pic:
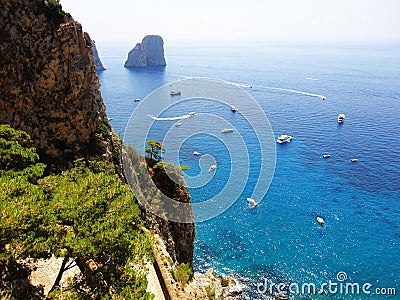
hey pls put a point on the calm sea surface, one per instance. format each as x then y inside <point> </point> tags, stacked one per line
<point>280,239</point>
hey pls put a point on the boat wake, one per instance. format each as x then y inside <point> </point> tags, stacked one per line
<point>247,86</point>
<point>292,91</point>
<point>173,118</point>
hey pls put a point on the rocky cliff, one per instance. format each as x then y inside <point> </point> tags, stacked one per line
<point>48,84</point>
<point>148,53</point>
<point>96,58</point>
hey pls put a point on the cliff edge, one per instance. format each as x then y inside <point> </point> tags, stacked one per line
<point>97,62</point>
<point>49,87</point>
<point>148,53</point>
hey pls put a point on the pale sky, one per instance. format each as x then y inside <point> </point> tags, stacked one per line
<point>239,20</point>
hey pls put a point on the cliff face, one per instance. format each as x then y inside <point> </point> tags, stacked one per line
<point>96,58</point>
<point>148,53</point>
<point>48,84</point>
<point>178,237</point>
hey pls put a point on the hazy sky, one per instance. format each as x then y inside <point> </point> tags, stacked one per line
<point>230,20</point>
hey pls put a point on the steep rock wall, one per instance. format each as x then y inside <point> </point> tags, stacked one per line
<point>97,62</point>
<point>48,84</point>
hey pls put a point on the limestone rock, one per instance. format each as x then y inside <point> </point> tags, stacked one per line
<point>148,53</point>
<point>97,62</point>
<point>49,86</point>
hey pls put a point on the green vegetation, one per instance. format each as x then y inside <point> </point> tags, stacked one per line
<point>210,293</point>
<point>154,150</point>
<point>85,216</point>
<point>53,10</point>
<point>183,273</point>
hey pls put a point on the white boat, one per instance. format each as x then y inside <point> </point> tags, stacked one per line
<point>110,119</point>
<point>321,221</point>
<point>196,153</point>
<point>252,202</point>
<point>212,168</point>
<point>284,138</point>
<point>177,124</point>
<point>226,130</point>
<point>136,100</point>
<point>326,156</point>
<point>354,160</point>
<point>340,118</point>
<point>233,108</point>
<point>175,93</point>
<point>191,113</point>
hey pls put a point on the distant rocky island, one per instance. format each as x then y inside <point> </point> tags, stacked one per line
<point>97,62</point>
<point>150,52</point>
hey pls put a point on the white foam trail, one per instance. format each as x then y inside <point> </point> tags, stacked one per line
<point>264,87</point>
<point>310,78</point>
<point>171,118</point>
<point>293,91</point>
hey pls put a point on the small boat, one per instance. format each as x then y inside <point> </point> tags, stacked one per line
<point>233,108</point>
<point>212,168</point>
<point>323,98</point>
<point>196,153</point>
<point>191,114</point>
<point>177,124</point>
<point>136,100</point>
<point>340,118</point>
<point>354,160</point>
<point>284,138</point>
<point>252,202</point>
<point>226,130</point>
<point>321,221</point>
<point>110,119</point>
<point>175,93</point>
<point>326,156</point>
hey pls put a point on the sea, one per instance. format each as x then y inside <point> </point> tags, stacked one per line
<point>278,246</point>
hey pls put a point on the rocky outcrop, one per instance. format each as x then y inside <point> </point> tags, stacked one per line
<point>97,62</point>
<point>148,53</point>
<point>49,87</point>
<point>178,237</point>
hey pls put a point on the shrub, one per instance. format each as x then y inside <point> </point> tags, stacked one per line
<point>183,273</point>
<point>210,293</point>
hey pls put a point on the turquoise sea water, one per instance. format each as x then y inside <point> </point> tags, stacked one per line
<point>280,239</point>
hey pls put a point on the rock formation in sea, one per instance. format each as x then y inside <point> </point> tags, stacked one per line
<point>49,87</point>
<point>148,53</point>
<point>96,58</point>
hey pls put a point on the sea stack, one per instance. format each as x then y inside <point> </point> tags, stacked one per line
<point>148,53</point>
<point>97,62</point>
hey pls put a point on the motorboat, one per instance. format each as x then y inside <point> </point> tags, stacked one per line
<point>212,168</point>
<point>323,98</point>
<point>340,118</point>
<point>110,119</point>
<point>326,156</point>
<point>192,113</point>
<point>177,124</point>
<point>226,130</point>
<point>136,100</point>
<point>321,221</point>
<point>233,108</point>
<point>284,138</point>
<point>175,93</point>
<point>252,202</point>
<point>196,153</point>
<point>354,160</point>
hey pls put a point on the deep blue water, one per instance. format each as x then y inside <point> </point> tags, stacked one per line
<point>280,239</point>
